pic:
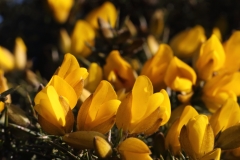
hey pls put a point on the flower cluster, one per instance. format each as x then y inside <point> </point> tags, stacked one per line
<point>179,101</point>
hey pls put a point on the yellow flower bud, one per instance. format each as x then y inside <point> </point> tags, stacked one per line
<point>211,58</point>
<point>180,76</point>
<point>123,76</point>
<point>82,139</point>
<point>155,68</point>
<point>157,23</point>
<point>106,11</point>
<point>60,9</point>
<point>102,147</point>
<point>98,111</point>
<point>6,59</point>
<point>82,38</point>
<point>133,148</point>
<point>94,78</point>
<point>187,42</point>
<point>172,139</point>
<point>20,52</point>
<point>144,112</point>
<point>197,137</point>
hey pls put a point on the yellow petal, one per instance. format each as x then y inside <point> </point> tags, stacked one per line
<point>20,53</point>
<point>64,89</point>
<point>94,78</point>
<point>102,147</point>
<point>142,90</point>
<point>6,59</point>
<point>215,155</point>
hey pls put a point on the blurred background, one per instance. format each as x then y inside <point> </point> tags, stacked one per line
<point>32,20</point>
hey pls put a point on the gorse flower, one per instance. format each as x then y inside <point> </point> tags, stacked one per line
<point>226,116</point>
<point>211,58</point>
<point>141,111</point>
<point>82,38</point>
<point>118,71</point>
<point>155,68</point>
<point>172,138</point>
<point>197,137</point>
<point>133,148</point>
<point>179,76</point>
<point>55,102</point>
<point>98,111</point>
<point>106,11</point>
<point>6,59</point>
<point>54,108</point>
<point>20,52</point>
<point>60,9</point>
<point>187,42</point>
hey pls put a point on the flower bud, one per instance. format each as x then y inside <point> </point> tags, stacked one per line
<point>102,147</point>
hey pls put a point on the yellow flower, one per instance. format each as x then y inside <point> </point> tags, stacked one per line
<point>20,53</point>
<point>102,147</point>
<point>141,111</point>
<point>197,137</point>
<point>133,148</point>
<point>155,67</point>
<point>187,42</point>
<point>215,155</point>
<point>3,87</point>
<point>211,58</point>
<point>98,111</point>
<point>179,76</point>
<point>220,88</point>
<point>106,11</point>
<point>172,139</point>
<point>6,59</point>
<point>54,104</point>
<point>72,73</point>
<point>226,116</point>
<point>232,48</point>
<point>82,38</point>
<point>94,78</point>
<point>118,71</point>
<point>61,9</point>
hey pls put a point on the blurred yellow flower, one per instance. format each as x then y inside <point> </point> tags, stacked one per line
<point>231,47</point>
<point>197,137</point>
<point>180,76</point>
<point>172,139</point>
<point>156,67</point>
<point>72,73</point>
<point>98,111</point>
<point>60,9</point>
<point>118,71</point>
<point>54,104</point>
<point>106,11</point>
<point>94,78</point>
<point>187,42</point>
<point>6,59</point>
<point>20,54</point>
<point>82,38</point>
<point>226,116</point>
<point>211,58</point>
<point>133,148</point>
<point>3,87</point>
<point>141,111</point>
<point>220,88</point>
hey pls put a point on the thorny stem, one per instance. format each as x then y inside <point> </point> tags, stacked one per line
<point>24,129</point>
<point>6,105</point>
<point>31,105</point>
